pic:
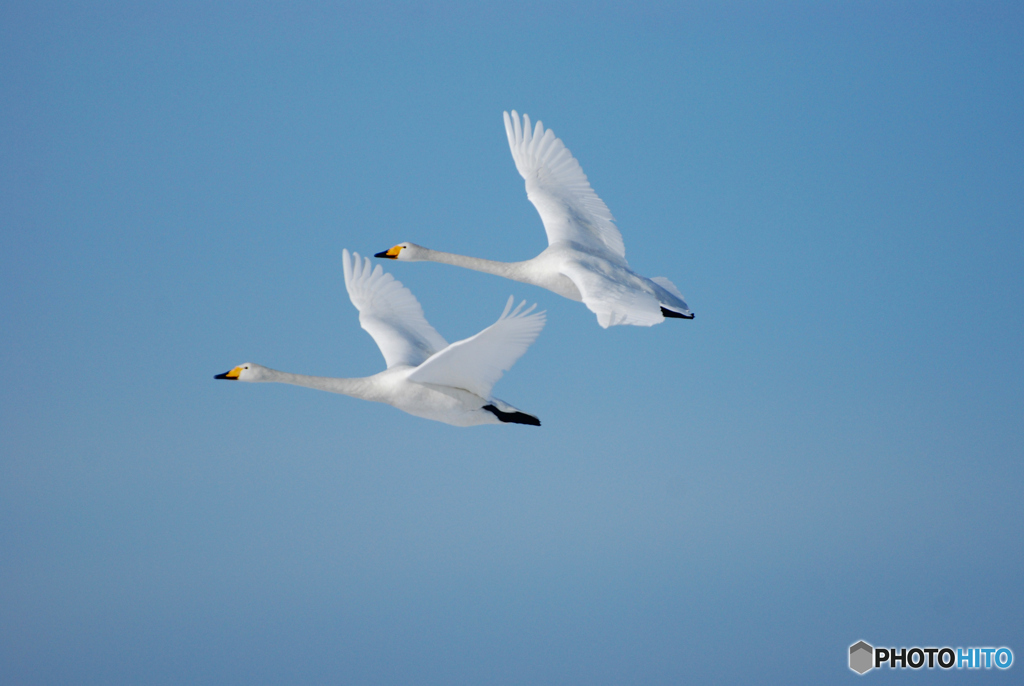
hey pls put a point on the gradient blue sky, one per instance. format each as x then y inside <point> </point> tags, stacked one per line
<point>831,451</point>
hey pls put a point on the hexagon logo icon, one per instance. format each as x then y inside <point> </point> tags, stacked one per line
<point>862,657</point>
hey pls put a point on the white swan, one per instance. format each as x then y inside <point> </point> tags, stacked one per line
<point>585,259</point>
<point>426,376</point>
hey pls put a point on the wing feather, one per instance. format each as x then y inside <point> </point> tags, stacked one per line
<point>558,188</point>
<point>476,363</point>
<point>390,313</point>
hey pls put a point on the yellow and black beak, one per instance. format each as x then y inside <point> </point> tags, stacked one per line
<point>233,374</point>
<point>390,254</point>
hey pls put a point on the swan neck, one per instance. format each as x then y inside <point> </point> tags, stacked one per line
<point>505,269</point>
<point>357,388</point>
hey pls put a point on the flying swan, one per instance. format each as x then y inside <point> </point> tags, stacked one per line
<point>585,259</point>
<point>426,376</point>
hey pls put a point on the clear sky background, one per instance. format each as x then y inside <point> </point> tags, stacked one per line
<point>831,451</point>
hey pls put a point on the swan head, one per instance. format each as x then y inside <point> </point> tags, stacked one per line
<point>409,252</point>
<point>244,372</point>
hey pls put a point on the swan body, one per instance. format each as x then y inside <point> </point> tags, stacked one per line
<point>585,259</point>
<point>425,376</point>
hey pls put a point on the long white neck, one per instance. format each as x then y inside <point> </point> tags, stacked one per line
<point>508,270</point>
<point>540,271</point>
<point>357,388</point>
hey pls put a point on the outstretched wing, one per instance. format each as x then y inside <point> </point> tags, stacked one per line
<point>477,362</point>
<point>558,188</point>
<point>390,313</point>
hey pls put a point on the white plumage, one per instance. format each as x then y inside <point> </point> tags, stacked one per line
<point>585,259</point>
<point>390,313</point>
<point>425,376</point>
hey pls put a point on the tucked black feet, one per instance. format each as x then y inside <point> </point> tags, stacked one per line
<point>675,315</point>
<point>513,417</point>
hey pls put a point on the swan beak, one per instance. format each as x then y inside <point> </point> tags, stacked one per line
<point>233,374</point>
<point>391,254</point>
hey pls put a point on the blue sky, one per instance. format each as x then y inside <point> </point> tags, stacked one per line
<point>831,451</point>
